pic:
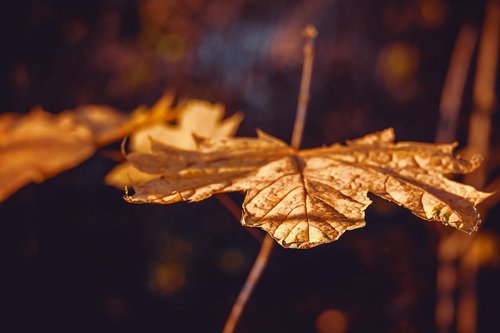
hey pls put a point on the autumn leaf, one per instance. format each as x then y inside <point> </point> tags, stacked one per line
<point>106,123</point>
<point>196,118</point>
<point>304,198</point>
<point>161,112</point>
<point>40,145</point>
<point>109,125</point>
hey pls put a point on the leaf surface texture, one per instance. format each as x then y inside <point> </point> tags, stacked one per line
<point>304,198</point>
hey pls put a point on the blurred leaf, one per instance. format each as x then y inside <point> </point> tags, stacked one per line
<point>105,123</point>
<point>199,118</point>
<point>309,197</point>
<point>38,146</point>
<point>160,112</point>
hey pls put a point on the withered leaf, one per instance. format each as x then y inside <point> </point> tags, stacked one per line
<point>40,145</point>
<point>304,198</point>
<point>196,118</point>
<point>106,123</point>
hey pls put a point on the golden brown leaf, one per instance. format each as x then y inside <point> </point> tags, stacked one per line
<point>106,124</point>
<point>38,146</point>
<point>160,112</point>
<point>196,118</point>
<point>309,197</point>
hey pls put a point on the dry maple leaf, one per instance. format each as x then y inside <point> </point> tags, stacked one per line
<point>40,145</point>
<point>304,198</point>
<point>195,118</point>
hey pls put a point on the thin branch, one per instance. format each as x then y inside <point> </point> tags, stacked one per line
<point>493,200</point>
<point>449,108</point>
<point>235,210</point>
<point>268,242</point>
<point>252,279</point>
<point>451,97</point>
<point>310,34</point>
<point>484,92</point>
<point>467,306</point>
<point>479,142</point>
<point>446,281</point>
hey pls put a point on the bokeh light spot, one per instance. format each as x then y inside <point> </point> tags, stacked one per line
<point>331,321</point>
<point>166,278</point>
<point>231,261</point>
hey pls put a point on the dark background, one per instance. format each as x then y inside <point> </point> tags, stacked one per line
<point>80,259</point>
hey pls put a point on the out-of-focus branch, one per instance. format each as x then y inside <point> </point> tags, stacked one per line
<point>449,245</point>
<point>305,83</point>
<point>479,142</point>
<point>492,200</point>
<point>235,210</point>
<point>451,248</point>
<point>484,92</point>
<point>254,276</point>
<point>451,97</point>
<point>467,305</point>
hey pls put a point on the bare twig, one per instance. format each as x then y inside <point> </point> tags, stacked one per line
<point>267,244</point>
<point>456,246</point>
<point>449,108</point>
<point>493,200</point>
<point>254,276</point>
<point>300,117</point>
<point>451,97</point>
<point>479,142</point>
<point>446,282</point>
<point>467,305</point>
<point>235,210</point>
<point>484,92</point>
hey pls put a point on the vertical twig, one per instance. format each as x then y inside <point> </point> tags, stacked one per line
<point>479,142</point>
<point>494,199</point>
<point>449,108</point>
<point>305,82</point>
<point>467,305</point>
<point>451,97</point>
<point>252,279</point>
<point>450,249</point>
<point>484,92</point>
<point>235,210</point>
<point>267,244</point>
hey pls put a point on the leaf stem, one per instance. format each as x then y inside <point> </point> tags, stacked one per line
<point>268,242</point>
<point>310,34</point>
